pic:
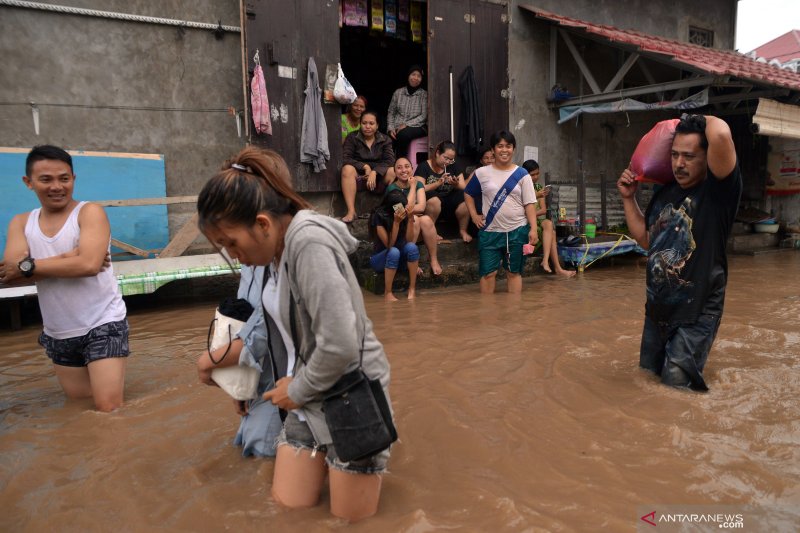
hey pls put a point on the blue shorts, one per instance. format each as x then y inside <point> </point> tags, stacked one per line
<point>102,342</point>
<point>500,248</point>
<point>298,435</point>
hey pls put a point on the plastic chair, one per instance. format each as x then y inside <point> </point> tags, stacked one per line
<point>416,147</point>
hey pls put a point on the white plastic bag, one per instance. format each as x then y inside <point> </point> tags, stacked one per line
<point>240,382</point>
<point>343,92</point>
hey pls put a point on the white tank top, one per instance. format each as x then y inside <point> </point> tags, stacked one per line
<point>72,306</point>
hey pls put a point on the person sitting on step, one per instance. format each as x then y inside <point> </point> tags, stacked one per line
<point>393,230</point>
<point>367,159</point>
<point>423,224</point>
<point>444,183</point>
<point>547,232</point>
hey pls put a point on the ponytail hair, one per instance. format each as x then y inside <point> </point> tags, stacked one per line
<point>254,181</point>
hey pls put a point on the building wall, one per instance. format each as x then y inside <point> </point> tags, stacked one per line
<point>594,143</point>
<point>55,59</point>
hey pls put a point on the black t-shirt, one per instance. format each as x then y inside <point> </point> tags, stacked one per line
<point>687,268</point>
<point>425,171</point>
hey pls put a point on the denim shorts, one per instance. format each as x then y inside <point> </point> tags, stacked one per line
<point>298,435</point>
<point>102,342</point>
<point>500,248</point>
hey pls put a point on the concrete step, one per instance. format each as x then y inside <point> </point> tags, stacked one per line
<point>764,250</point>
<point>742,243</point>
<point>455,273</point>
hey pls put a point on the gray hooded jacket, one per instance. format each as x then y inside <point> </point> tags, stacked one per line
<point>329,313</point>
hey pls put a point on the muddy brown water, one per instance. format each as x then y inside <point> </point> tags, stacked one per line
<point>515,414</point>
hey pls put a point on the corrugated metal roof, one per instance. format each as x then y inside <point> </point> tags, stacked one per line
<point>710,60</point>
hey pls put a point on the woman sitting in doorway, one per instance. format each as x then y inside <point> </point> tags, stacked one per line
<point>547,232</point>
<point>407,118</point>
<point>393,233</point>
<point>444,184</point>
<point>351,119</point>
<point>367,159</point>
<point>415,207</point>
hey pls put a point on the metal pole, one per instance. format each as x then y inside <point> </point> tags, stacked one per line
<point>452,129</point>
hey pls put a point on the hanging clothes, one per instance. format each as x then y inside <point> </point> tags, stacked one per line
<point>314,136</point>
<point>470,131</point>
<point>259,102</point>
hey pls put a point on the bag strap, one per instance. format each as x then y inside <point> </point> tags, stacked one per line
<point>503,193</point>
<point>293,326</point>
<point>208,342</point>
<point>282,413</point>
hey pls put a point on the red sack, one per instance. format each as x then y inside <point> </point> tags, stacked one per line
<point>652,159</point>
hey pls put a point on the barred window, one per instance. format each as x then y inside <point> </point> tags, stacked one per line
<point>701,37</point>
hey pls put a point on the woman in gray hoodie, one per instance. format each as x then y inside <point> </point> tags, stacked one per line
<point>250,209</point>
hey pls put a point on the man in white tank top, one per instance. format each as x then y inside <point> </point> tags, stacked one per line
<point>63,247</point>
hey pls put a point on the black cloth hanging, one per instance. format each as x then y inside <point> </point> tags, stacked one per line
<point>470,130</point>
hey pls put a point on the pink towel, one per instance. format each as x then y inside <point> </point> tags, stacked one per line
<point>259,102</point>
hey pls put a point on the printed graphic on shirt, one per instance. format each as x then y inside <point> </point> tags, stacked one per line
<point>671,236</point>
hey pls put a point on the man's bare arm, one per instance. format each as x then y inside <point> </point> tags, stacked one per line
<point>95,234</point>
<point>87,260</point>
<point>721,150</point>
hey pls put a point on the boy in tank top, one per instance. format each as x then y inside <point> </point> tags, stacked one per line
<point>63,247</point>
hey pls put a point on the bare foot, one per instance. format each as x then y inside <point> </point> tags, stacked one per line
<point>546,267</point>
<point>349,217</point>
<point>412,293</point>
<point>439,237</point>
<point>466,236</point>
<point>389,297</point>
<point>566,273</point>
<point>436,268</point>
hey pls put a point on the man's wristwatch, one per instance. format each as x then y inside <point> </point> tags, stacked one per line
<point>27,266</point>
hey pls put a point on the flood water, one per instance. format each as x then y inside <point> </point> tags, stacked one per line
<point>514,414</point>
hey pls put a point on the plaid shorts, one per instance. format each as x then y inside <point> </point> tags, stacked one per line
<point>102,342</point>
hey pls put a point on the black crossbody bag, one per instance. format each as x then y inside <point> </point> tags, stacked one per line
<point>356,410</point>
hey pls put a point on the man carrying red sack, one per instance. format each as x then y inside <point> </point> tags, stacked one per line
<point>685,229</point>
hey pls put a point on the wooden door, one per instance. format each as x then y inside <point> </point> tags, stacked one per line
<point>286,33</point>
<point>463,33</point>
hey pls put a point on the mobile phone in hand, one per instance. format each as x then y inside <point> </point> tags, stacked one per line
<point>398,207</point>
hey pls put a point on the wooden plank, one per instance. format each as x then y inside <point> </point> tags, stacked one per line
<point>147,201</point>
<point>448,46</point>
<point>182,239</point>
<point>304,29</point>
<point>130,248</point>
<point>166,264</point>
<point>489,57</point>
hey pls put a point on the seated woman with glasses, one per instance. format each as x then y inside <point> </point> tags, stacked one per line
<point>444,184</point>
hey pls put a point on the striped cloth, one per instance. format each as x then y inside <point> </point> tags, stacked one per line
<point>148,282</point>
